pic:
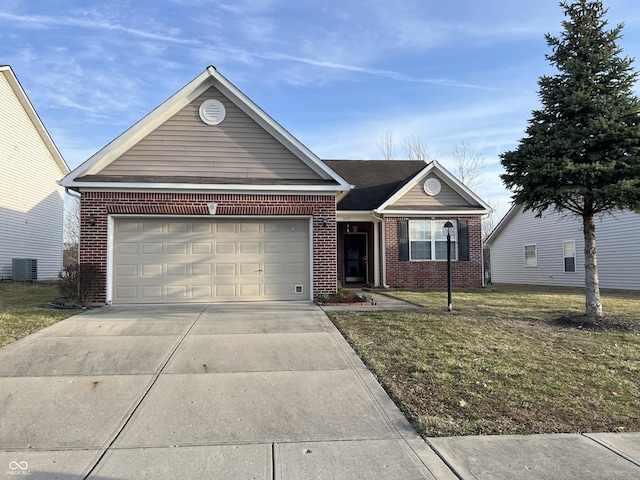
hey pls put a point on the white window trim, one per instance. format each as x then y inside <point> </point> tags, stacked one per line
<point>575,263</point>
<point>535,245</point>
<point>454,239</point>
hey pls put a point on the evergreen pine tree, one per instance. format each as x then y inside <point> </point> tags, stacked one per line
<point>581,155</point>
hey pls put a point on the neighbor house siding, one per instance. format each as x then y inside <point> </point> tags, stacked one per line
<point>433,273</point>
<point>186,146</point>
<point>94,241</point>
<point>31,203</point>
<point>618,244</point>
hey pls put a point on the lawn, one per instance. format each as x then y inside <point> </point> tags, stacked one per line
<point>23,311</point>
<point>501,363</point>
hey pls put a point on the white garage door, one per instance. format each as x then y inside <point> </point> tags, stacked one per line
<point>205,260</point>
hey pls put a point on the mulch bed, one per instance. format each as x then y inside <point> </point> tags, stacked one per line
<point>606,322</point>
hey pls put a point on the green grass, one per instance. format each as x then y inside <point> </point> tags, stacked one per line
<point>22,309</point>
<point>500,364</point>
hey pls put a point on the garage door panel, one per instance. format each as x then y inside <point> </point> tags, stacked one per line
<point>225,291</point>
<point>205,260</point>
<point>179,270</point>
<point>152,248</point>
<point>248,248</point>
<point>225,248</point>
<point>151,270</point>
<point>124,270</point>
<point>201,248</point>
<point>177,248</point>
<point>151,226</point>
<point>201,269</point>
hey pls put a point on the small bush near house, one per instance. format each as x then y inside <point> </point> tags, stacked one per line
<point>79,283</point>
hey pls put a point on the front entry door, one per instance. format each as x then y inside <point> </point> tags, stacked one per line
<point>355,257</point>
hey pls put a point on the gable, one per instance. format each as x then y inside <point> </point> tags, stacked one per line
<point>172,148</point>
<point>417,198</point>
<point>30,169</point>
<point>184,145</point>
<point>444,194</point>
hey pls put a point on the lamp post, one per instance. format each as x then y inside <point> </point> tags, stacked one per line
<point>448,228</point>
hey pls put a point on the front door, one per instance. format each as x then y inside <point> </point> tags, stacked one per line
<point>355,257</point>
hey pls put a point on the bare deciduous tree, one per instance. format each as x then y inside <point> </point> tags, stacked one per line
<point>71,229</point>
<point>414,148</point>
<point>469,165</point>
<point>385,145</point>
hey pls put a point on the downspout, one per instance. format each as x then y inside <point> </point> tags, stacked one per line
<point>384,247</point>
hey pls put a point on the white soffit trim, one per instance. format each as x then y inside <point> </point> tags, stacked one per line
<point>198,188</point>
<point>431,213</point>
<point>452,181</point>
<point>355,216</point>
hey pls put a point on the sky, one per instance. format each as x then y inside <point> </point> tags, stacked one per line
<point>338,75</point>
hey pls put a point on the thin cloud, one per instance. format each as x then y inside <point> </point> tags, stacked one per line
<point>46,21</point>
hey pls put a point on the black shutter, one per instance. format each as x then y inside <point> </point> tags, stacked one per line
<point>403,240</point>
<point>463,240</point>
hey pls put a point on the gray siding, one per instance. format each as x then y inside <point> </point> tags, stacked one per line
<point>618,240</point>
<point>31,203</point>
<point>186,146</point>
<point>447,197</point>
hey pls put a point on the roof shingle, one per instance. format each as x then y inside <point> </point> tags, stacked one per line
<point>374,181</point>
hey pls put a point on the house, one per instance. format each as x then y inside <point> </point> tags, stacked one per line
<point>390,226</point>
<point>207,198</point>
<point>549,250</point>
<point>31,201</point>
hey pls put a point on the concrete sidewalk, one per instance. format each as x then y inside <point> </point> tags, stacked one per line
<point>235,391</point>
<point>268,390</point>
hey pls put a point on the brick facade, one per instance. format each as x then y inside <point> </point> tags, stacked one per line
<point>433,274</point>
<point>93,245</point>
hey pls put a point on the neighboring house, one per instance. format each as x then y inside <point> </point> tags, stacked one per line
<point>31,201</point>
<point>207,198</point>
<point>550,250</point>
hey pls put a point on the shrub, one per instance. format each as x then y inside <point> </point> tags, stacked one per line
<point>80,282</point>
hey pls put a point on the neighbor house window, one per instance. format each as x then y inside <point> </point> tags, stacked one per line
<point>569,249</point>
<point>427,240</point>
<point>530,255</point>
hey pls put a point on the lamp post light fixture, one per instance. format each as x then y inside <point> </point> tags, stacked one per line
<point>448,228</point>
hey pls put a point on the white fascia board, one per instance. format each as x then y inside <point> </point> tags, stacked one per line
<point>439,213</point>
<point>354,216</point>
<point>247,105</point>
<point>198,188</point>
<point>35,118</point>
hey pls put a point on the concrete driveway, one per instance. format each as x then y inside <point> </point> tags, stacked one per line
<point>237,391</point>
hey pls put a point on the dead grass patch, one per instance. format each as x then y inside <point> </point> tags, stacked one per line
<point>503,362</point>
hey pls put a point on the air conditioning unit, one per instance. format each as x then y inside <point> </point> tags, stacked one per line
<point>24,269</point>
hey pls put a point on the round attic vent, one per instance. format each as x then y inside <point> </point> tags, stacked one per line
<point>432,186</point>
<point>212,112</point>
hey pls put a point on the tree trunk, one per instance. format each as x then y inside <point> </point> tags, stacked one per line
<point>592,285</point>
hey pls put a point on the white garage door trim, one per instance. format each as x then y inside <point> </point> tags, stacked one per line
<point>111,257</point>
